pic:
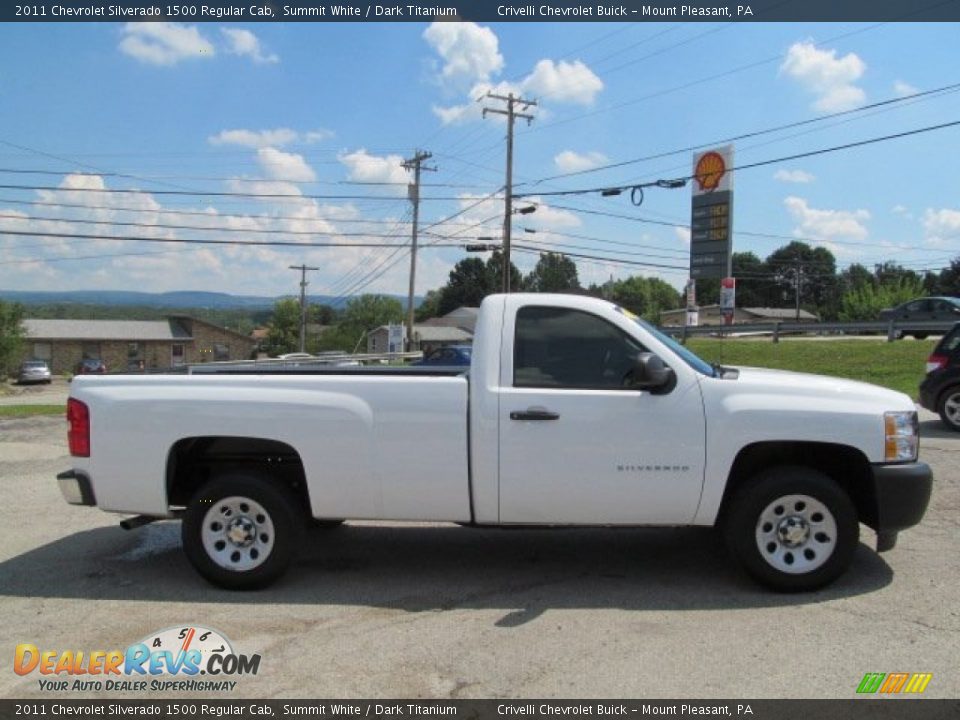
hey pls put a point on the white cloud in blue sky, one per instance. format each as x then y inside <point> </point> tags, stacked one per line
<point>794,176</point>
<point>570,161</point>
<point>164,43</point>
<point>245,43</point>
<point>832,79</point>
<point>300,109</point>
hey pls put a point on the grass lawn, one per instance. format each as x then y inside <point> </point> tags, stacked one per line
<point>898,365</point>
<point>30,410</point>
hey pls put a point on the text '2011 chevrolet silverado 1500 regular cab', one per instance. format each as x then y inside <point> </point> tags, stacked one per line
<point>573,412</point>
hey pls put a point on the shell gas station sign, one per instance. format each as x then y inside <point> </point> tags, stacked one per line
<point>711,219</point>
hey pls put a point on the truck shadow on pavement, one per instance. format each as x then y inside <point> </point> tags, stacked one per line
<point>936,429</point>
<point>434,568</point>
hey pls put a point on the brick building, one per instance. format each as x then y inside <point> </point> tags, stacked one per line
<point>132,344</point>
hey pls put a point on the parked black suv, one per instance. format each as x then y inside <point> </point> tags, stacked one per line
<point>940,389</point>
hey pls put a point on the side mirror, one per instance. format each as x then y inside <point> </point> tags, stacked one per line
<point>650,373</point>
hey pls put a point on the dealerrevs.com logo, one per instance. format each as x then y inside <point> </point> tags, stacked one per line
<point>184,658</point>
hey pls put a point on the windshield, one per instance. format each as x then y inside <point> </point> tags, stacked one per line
<point>690,358</point>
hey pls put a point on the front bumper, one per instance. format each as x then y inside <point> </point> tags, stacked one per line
<point>76,488</point>
<point>900,495</point>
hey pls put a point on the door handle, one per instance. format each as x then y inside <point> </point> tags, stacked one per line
<point>534,415</point>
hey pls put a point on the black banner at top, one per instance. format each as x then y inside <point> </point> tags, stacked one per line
<point>484,11</point>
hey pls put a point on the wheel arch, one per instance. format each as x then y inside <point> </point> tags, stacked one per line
<point>193,461</point>
<point>847,466</point>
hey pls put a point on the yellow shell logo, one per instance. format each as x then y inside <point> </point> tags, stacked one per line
<point>710,169</point>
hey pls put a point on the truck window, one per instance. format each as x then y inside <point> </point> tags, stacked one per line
<point>565,348</point>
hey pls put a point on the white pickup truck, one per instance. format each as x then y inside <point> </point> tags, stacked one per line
<point>573,412</point>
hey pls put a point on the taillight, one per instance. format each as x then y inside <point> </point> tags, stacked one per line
<point>78,435</point>
<point>935,362</point>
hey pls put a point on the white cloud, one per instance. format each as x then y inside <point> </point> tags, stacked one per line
<point>570,161</point>
<point>903,89</point>
<point>289,167</point>
<point>683,235</point>
<point>471,57</point>
<point>364,167</point>
<point>571,83</point>
<point>564,82</point>
<point>822,226</point>
<point>793,176</point>
<point>164,43</point>
<point>941,226</point>
<point>470,53</point>
<point>830,78</point>
<point>277,137</point>
<point>245,43</point>
<point>547,217</point>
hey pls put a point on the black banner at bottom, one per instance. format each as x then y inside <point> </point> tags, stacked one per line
<point>873,708</point>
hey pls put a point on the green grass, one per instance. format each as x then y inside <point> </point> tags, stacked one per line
<point>898,365</point>
<point>31,410</point>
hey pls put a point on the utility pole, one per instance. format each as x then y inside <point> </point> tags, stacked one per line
<point>511,113</point>
<point>798,276</point>
<point>416,164</point>
<point>303,303</point>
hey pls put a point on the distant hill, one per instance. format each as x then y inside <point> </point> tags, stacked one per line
<point>177,299</point>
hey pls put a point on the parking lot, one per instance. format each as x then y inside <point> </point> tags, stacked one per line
<point>442,611</point>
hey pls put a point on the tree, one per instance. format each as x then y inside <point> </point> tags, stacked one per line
<point>866,302</point>
<point>322,314</point>
<point>11,335</point>
<point>817,269</point>
<point>470,282</point>
<point>949,282</point>
<point>753,283</point>
<point>429,308</point>
<point>362,315</point>
<point>645,296</point>
<point>554,272</point>
<point>495,268</point>
<point>284,333</point>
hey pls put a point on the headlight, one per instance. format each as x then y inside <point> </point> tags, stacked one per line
<point>901,436</point>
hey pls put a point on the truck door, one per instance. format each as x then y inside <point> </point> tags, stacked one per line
<point>576,445</point>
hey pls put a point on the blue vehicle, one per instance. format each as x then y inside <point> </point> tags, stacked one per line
<point>447,356</point>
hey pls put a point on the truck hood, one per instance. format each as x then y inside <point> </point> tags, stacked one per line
<point>852,392</point>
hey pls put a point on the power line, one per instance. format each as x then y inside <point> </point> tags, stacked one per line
<point>195,241</point>
<point>163,226</point>
<point>678,182</point>
<point>198,213</point>
<point>686,226</point>
<point>211,193</point>
<point>153,178</point>
<point>756,133</point>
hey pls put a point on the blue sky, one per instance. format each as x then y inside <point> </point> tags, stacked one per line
<point>319,110</point>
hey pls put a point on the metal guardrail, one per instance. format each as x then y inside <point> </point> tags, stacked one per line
<point>892,329</point>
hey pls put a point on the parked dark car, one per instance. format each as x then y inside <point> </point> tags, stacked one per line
<point>91,366</point>
<point>942,309</point>
<point>940,389</point>
<point>34,371</point>
<point>450,355</point>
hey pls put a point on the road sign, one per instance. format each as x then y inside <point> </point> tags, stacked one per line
<point>728,299</point>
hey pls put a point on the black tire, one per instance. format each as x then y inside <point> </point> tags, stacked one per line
<point>949,407</point>
<point>792,528</point>
<point>267,513</point>
<point>920,336</point>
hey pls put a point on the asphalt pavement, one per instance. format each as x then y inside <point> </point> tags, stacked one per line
<point>440,611</point>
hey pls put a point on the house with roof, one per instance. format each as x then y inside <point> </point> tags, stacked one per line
<point>131,345</point>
